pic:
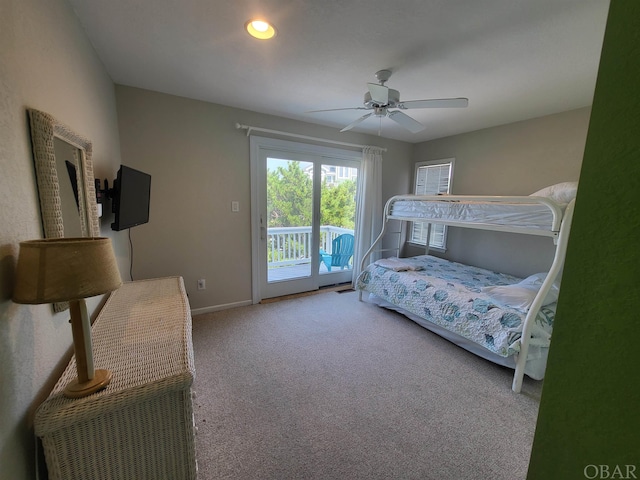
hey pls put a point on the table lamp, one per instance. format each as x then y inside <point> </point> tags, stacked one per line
<point>70,269</point>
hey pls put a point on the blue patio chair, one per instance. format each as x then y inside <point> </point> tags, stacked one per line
<point>341,252</point>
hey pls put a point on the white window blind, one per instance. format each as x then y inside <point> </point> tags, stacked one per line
<point>432,178</point>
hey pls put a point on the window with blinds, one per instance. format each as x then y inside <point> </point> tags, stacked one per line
<point>432,178</point>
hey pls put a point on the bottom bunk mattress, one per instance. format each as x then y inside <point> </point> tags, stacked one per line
<point>447,298</point>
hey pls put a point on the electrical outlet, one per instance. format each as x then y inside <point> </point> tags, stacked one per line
<point>235,206</point>
<point>202,284</point>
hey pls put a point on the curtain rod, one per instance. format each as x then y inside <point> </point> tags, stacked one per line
<point>248,128</point>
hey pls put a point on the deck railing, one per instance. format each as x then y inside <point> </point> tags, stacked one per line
<point>292,245</point>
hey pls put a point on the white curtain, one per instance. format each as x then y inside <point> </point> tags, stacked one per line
<point>368,205</point>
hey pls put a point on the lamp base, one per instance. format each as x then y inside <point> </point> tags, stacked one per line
<point>76,389</point>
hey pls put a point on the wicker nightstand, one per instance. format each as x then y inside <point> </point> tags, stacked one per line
<point>140,426</point>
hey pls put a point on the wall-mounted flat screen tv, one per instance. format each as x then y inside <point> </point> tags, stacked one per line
<point>131,195</point>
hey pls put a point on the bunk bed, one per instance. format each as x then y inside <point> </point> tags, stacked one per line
<point>500,317</point>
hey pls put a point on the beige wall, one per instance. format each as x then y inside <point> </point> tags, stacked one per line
<point>515,159</point>
<point>199,163</point>
<point>45,63</point>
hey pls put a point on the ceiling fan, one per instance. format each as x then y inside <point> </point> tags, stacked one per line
<point>381,99</point>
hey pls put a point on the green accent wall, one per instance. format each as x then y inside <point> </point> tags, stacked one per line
<point>590,406</point>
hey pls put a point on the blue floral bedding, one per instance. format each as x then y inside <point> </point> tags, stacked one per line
<point>448,294</point>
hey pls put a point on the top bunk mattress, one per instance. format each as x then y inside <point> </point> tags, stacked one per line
<point>527,214</point>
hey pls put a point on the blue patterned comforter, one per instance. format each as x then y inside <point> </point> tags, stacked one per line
<point>448,294</point>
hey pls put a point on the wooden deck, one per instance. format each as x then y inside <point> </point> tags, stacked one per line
<point>294,271</point>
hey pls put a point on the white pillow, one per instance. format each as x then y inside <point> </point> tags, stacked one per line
<point>560,192</point>
<point>520,295</point>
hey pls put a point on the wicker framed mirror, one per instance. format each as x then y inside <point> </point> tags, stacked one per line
<point>66,186</point>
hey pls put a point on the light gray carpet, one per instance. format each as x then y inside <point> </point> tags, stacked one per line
<point>326,387</point>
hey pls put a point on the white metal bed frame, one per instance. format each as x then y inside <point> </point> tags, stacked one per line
<point>558,231</point>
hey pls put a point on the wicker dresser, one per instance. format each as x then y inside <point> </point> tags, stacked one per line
<point>140,426</point>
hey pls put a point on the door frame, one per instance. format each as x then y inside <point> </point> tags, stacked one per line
<point>257,146</point>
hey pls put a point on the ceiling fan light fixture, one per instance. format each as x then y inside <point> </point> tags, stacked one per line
<point>380,99</point>
<point>260,29</point>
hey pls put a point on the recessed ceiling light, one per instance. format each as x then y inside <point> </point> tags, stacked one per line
<point>260,29</point>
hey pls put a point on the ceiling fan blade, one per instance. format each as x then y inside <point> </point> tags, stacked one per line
<point>435,103</point>
<point>406,121</point>
<point>353,124</point>
<point>379,93</point>
<point>337,109</point>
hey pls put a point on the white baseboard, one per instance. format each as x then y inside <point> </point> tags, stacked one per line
<point>215,308</point>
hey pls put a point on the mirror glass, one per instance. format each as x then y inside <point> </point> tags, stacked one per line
<point>64,173</point>
<point>70,182</point>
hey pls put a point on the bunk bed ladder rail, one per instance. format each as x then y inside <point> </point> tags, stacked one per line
<point>383,231</point>
<point>554,271</point>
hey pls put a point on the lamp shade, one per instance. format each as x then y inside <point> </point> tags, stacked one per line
<point>63,269</point>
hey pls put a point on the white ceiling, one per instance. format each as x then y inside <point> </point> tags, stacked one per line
<point>513,59</point>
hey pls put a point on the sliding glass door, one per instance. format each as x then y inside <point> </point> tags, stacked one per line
<point>337,222</point>
<point>303,215</point>
<point>289,218</point>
